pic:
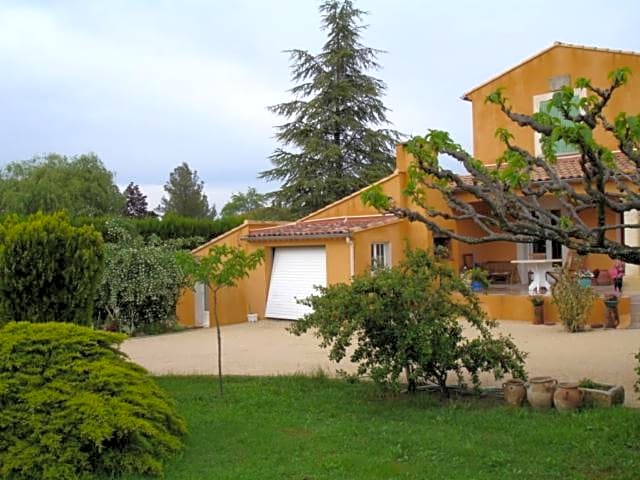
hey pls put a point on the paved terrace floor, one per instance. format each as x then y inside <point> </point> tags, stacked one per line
<point>266,348</point>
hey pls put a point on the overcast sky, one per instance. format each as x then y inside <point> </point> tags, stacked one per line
<point>150,84</point>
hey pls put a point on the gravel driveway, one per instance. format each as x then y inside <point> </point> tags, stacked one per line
<point>266,348</point>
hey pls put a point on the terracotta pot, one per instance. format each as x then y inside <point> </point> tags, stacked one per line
<point>540,392</point>
<point>568,397</point>
<point>538,314</point>
<point>611,317</point>
<point>514,392</point>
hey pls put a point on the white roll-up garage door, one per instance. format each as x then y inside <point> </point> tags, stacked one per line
<point>295,271</point>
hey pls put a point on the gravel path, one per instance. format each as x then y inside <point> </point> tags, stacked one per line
<point>265,348</point>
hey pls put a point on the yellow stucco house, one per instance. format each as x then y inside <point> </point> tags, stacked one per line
<point>345,238</point>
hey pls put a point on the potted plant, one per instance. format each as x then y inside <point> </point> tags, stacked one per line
<point>478,278</point>
<point>538,309</point>
<point>585,278</point>
<point>612,317</point>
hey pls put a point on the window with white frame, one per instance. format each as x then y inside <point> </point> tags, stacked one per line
<point>542,103</point>
<point>380,256</point>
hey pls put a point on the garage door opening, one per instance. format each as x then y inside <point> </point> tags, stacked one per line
<point>295,272</point>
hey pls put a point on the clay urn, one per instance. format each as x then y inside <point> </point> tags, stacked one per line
<point>514,392</point>
<point>568,397</point>
<point>540,392</point>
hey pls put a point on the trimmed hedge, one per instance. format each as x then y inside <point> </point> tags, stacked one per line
<point>72,406</point>
<point>49,270</point>
<point>167,228</point>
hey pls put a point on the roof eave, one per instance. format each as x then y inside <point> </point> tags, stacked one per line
<point>314,236</point>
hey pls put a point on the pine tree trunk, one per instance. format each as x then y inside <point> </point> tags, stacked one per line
<point>215,316</point>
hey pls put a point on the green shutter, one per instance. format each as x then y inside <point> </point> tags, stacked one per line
<point>562,147</point>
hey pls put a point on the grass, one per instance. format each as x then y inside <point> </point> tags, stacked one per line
<point>316,428</point>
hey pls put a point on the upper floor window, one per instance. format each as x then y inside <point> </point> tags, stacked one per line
<point>380,256</point>
<point>542,103</point>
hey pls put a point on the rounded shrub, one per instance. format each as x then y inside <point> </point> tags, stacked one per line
<point>418,320</point>
<point>139,288</point>
<point>72,406</point>
<point>49,270</point>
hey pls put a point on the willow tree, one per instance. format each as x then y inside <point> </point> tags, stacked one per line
<point>333,142</point>
<point>511,189</point>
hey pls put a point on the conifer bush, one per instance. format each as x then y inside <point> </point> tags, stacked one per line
<point>73,406</point>
<point>49,269</point>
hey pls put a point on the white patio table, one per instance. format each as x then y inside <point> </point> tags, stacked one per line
<point>539,268</point>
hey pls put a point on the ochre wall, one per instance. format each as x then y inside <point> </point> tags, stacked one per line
<point>484,252</point>
<point>519,308</point>
<point>233,303</point>
<point>395,234</point>
<point>532,78</point>
<point>353,206</point>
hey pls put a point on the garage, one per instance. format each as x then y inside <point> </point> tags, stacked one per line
<point>294,273</point>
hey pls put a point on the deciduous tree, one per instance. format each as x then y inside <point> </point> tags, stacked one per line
<point>223,267</point>
<point>81,185</point>
<point>242,204</point>
<point>510,188</point>
<point>333,142</point>
<point>411,320</point>
<point>254,206</point>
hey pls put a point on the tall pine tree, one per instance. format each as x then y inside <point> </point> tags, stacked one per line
<point>186,195</point>
<point>334,143</point>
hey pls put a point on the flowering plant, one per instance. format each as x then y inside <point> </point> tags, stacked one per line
<point>585,274</point>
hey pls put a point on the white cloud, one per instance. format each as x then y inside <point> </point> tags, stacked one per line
<point>155,72</point>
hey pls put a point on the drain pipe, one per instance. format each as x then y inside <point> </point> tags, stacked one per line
<point>352,256</point>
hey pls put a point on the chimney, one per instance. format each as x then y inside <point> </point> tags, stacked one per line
<point>403,158</point>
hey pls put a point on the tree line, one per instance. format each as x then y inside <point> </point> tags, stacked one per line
<point>335,141</point>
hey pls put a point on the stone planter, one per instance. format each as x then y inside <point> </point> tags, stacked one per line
<point>604,395</point>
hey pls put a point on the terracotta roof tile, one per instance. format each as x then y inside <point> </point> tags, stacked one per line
<point>326,227</point>
<point>567,168</point>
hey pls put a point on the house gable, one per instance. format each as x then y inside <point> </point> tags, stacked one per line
<point>541,74</point>
<point>352,205</point>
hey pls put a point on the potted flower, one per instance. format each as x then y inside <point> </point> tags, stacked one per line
<point>538,309</point>
<point>479,279</point>
<point>585,278</point>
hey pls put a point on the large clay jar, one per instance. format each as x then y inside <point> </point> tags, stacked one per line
<point>540,392</point>
<point>514,392</point>
<point>568,397</point>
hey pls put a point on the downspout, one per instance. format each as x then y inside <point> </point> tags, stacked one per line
<point>352,256</point>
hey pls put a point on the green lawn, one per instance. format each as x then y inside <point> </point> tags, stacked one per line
<point>308,428</point>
